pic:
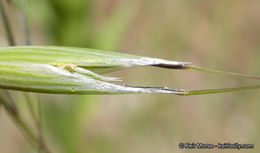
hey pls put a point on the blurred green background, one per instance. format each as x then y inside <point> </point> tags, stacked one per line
<point>221,34</point>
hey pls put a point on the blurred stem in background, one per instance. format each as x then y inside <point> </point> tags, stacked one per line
<point>13,113</point>
<point>7,26</point>
<point>111,33</point>
<point>8,103</point>
<point>24,19</point>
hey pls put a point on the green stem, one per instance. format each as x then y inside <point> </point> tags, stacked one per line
<point>7,26</point>
<point>32,139</point>
<point>213,91</point>
<point>222,72</point>
<point>41,141</point>
<point>20,123</point>
<point>25,23</point>
<point>31,108</point>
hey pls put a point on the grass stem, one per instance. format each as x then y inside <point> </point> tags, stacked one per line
<point>7,25</point>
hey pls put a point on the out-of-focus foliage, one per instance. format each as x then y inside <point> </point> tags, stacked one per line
<point>219,34</point>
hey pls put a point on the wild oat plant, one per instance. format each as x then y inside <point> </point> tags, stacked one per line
<point>72,70</point>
